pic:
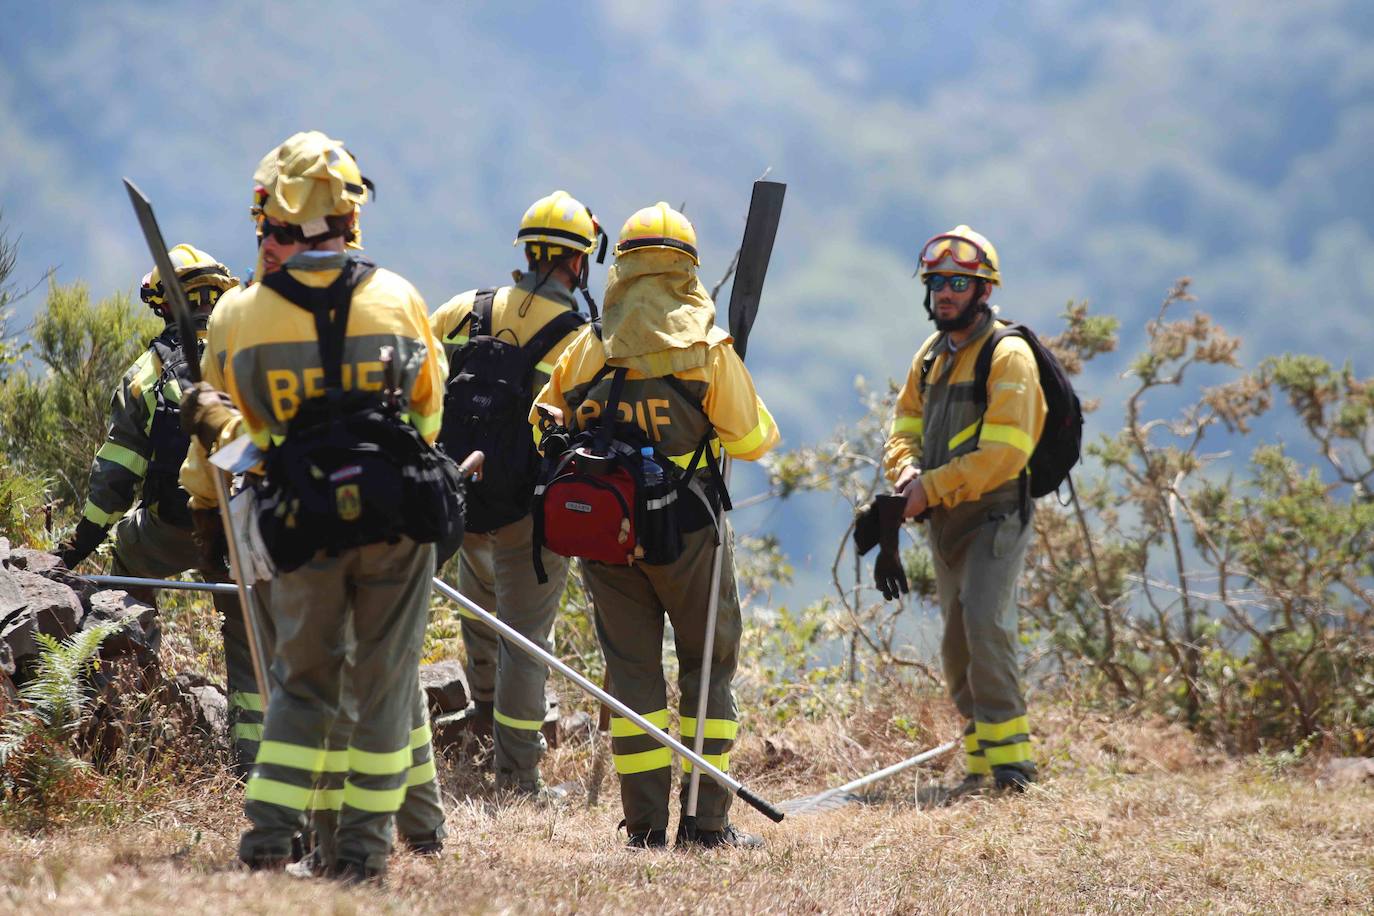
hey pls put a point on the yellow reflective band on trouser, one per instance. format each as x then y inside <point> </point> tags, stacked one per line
<point>421,736</point>
<point>756,437</point>
<point>1003,754</point>
<point>99,516</point>
<point>296,756</point>
<point>247,731</point>
<point>373,763</point>
<point>908,426</point>
<point>378,801</point>
<point>719,761</point>
<point>991,732</point>
<point>974,762</point>
<point>275,792</point>
<point>1008,435</point>
<point>725,729</point>
<point>335,762</point>
<point>421,774</point>
<point>464,612</point>
<point>124,457</point>
<point>326,800</point>
<point>527,725</point>
<point>963,435</point>
<point>249,701</point>
<point>624,728</point>
<point>657,759</point>
<point>428,423</point>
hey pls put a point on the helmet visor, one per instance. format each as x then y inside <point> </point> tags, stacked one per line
<point>961,251</point>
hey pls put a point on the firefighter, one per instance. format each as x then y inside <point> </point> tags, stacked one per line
<point>304,345</point>
<point>501,345</point>
<point>139,463</point>
<point>683,384</point>
<point>964,468</point>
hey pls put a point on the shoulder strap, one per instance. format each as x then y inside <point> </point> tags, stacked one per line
<point>480,316</point>
<point>329,305</point>
<point>928,361</point>
<point>982,367</point>
<point>610,414</point>
<point>557,327</point>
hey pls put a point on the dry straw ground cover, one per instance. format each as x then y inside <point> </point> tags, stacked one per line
<point>1132,817</point>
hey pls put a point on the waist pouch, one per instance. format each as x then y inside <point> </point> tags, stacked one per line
<point>348,478</point>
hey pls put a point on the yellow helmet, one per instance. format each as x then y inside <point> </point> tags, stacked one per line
<point>203,278</point>
<point>960,251</point>
<point>310,181</point>
<point>659,226</point>
<point>560,221</point>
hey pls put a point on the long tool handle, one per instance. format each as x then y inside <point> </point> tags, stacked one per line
<point>529,647</point>
<point>708,647</point>
<point>875,777</point>
<point>217,588</point>
<point>246,606</point>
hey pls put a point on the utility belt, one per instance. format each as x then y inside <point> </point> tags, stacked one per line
<point>350,471</point>
<point>601,499</point>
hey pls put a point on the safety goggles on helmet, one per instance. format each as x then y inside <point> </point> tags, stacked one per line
<point>961,251</point>
<point>956,282</point>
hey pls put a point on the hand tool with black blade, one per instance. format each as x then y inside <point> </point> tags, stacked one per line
<point>755,251</point>
<point>186,331</point>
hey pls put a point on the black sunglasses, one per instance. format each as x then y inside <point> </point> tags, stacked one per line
<point>958,282</point>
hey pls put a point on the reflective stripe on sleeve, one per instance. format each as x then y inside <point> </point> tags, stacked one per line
<point>124,457</point>
<point>1008,435</point>
<point>99,516</point>
<point>908,426</point>
<point>426,424</point>
<point>756,437</point>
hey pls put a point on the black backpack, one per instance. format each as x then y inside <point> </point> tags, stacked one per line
<point>161,486</point>
<point>486,407</point>
<point>1061,442</point>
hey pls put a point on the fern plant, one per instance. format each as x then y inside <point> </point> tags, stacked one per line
<point>37,761</point>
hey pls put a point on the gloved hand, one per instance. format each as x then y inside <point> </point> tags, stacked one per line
<point>888,571</point>
<point>204,412</point>
<point>866,527</point>
<point>208,532</point>
<point>83,541</point>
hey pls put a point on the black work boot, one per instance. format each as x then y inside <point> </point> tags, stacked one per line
<point>712,839</point>
<point>350,873</point>
<point>426,844</point>
<point>645,837</point>
<point>1012,779</point>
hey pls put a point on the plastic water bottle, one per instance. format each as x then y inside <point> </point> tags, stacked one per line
<point>651,473</point>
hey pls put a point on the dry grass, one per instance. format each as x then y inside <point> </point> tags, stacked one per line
<point>1131,817</point>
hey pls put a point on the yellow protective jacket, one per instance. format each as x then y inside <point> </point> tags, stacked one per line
<point>938,430</point>
<point>122,461</point>
<point>263,351</point>
<point>722,386</point>
<point>517,314</point>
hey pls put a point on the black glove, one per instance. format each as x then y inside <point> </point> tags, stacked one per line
<point>208,533</point>
<point>83,541</point>
<point>888,572</point>
<point>866,527</point>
